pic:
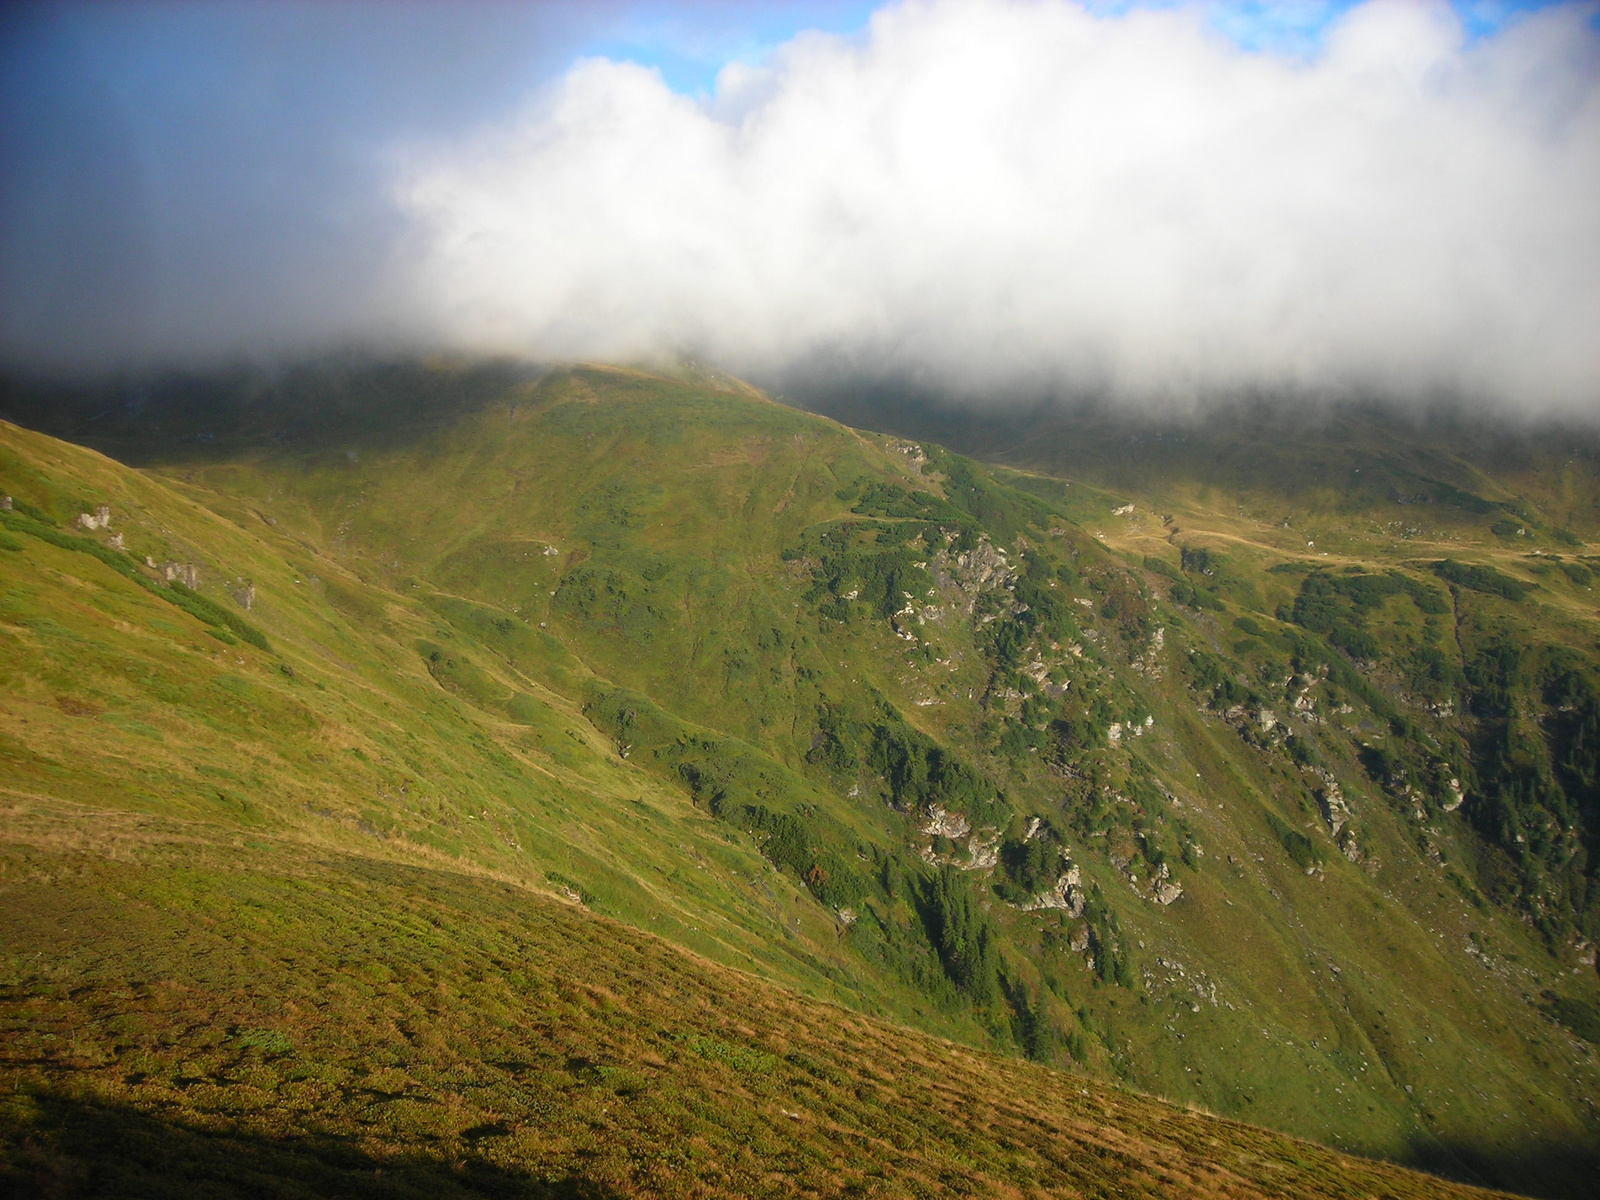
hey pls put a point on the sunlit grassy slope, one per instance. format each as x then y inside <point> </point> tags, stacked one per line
<point>192,1012</point>
<point>348,861</point>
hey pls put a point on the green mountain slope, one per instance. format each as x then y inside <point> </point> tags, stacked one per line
<point>1261,491</point>
<point>187,1016</point>
<point>960,748</point>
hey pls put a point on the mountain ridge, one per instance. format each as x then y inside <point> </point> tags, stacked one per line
<point>600,622</point>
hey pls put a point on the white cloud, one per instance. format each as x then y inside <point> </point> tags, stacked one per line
<point>994,194</point>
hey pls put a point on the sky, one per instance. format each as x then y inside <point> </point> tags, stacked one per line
<point>1153,202</point>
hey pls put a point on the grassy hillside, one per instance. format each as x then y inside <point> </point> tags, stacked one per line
<point>1220,817</point>
<point>1448,472</point>
<point>1353,508</point>
<point>186,1015</point>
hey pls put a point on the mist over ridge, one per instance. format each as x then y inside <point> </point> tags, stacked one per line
<point>1027,197</point>
<point>989,201</point>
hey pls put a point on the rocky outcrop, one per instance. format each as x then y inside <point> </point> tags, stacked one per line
<point>1116,731</point>
<point>972,572</point>
<point>1159,886</point>
<point>946,824</point>
<point>99,519</point>
<point>1148,661</point>
<point>1066,896</point>
<point>1458,794</point>
<point>982,847</point>
<point>1349,847</point>
<point>1330,798</point>
<point>1165,890</point>
<point>983,852</point>
<point>916,457</point>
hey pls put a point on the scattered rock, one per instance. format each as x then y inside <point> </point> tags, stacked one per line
<point>984,852</point>
<point>946,824</point>
<point>1067,895</point>
<point>1348,846</point>
<point>972,572</point>
<point>1335,811</point>
<point>1458,795</point>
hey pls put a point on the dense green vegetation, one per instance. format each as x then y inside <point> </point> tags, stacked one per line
<point>1006,759</point>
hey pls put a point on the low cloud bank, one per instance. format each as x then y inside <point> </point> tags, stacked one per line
<point>991,197</point>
